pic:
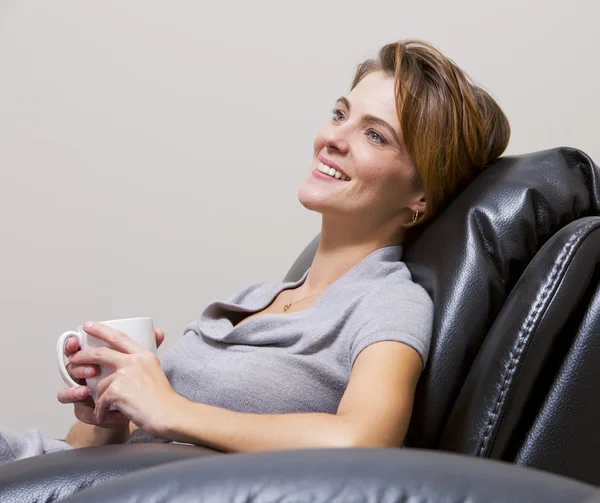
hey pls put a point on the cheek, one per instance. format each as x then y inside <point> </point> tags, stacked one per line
<point>384,180</point>
<point>373,167</point>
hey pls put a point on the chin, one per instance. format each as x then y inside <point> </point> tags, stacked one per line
<point>312,199</point>
<point>316,196</point>
<point>316,204</point>
<point>310,203</point>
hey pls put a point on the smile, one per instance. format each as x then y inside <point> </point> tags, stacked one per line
<point>332,172</point>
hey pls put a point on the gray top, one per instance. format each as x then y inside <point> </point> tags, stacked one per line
<point>282,362</point>
<point>301,361</point>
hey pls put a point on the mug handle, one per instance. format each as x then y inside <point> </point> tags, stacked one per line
<point>60,348</point>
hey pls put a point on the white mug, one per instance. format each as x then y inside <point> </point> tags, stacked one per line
<point>141,330</point>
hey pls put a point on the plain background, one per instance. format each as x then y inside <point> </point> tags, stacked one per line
<point>151,152</point>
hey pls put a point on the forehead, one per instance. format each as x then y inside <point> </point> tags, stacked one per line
<point>374,94</point>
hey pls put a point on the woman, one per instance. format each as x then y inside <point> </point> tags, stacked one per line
<point>332,359</point>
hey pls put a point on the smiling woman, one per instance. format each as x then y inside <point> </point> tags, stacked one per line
<point>419,114</point>
<point>294,364</point>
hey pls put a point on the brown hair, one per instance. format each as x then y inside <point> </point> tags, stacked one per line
<point>451,127</point>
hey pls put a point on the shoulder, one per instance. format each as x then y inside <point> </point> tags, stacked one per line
<point>396,289</point>
<point>397,305</point>
<point>395,308</point>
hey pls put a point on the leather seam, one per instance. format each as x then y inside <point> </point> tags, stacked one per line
<point>525,335</point>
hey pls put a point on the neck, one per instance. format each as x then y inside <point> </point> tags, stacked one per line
<point>341,247</point>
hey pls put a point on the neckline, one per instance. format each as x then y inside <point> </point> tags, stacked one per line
<point>386,253</point>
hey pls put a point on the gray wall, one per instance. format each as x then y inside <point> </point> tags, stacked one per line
<point>150,151</point>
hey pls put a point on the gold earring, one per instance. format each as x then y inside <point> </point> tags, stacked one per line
<point>415,216</point>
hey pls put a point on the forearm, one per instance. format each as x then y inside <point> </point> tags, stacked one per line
<point>231,431</point>
<point>87,435</point>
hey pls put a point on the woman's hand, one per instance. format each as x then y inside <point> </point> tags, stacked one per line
<point>138,388</point>
<point>79,396</point>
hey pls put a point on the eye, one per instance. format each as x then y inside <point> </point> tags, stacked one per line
<point>336,111</point>
<point>378,138</point>
<point>381,139</point>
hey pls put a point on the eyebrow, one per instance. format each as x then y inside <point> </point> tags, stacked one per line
<point>371,118</point>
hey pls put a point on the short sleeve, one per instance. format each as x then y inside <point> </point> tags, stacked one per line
<point>403,314</point>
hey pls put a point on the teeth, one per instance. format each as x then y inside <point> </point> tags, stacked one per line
<point>331,172</point>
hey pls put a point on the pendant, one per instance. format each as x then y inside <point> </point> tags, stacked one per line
<point>286,307</point>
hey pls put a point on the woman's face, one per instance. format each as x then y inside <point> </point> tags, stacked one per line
<point>379,190</point>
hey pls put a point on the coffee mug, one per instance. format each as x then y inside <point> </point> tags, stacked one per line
<point>141,330</point>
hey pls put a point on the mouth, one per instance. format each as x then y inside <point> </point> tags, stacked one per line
<point>331,170</point>
<point>326,177</point>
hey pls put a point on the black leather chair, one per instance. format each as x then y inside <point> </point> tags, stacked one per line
<point>512,267</point>
<point>332,475</point>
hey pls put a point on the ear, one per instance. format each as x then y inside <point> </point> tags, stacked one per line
<point>420,205</point>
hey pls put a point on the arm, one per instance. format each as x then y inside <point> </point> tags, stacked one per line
<point>374,412</point>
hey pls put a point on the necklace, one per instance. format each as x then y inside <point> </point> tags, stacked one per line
<point>287,306</point>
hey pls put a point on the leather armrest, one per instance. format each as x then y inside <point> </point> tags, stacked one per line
<point>340,475</point>
<point>51,477</point>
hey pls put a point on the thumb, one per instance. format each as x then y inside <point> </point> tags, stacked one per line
<point>160,336</point>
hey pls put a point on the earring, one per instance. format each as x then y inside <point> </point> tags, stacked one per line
<point>415,216</point>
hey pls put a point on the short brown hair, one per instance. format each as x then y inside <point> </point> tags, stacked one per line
<point>451,127</point>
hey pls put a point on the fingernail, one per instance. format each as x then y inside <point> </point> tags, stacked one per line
<point>88,324</point>
<point>79,393</point>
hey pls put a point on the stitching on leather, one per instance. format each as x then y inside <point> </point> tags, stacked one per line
<point>525,334</point>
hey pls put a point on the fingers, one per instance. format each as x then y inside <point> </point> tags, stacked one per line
<point>73,394</point>
<point>102,405</point>
<point>114,419</point>
<point>82,371</point>
<point>99,356</point>
<point>71,345</point>
<point>117,339</point>
<point>160,337</point>
<point>85,407</point>
<point>78,372</point>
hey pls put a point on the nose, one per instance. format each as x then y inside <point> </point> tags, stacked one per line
<point>335,137</point>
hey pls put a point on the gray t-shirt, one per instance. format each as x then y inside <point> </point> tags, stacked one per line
<point>282,362</point>
<point>278,363</point>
